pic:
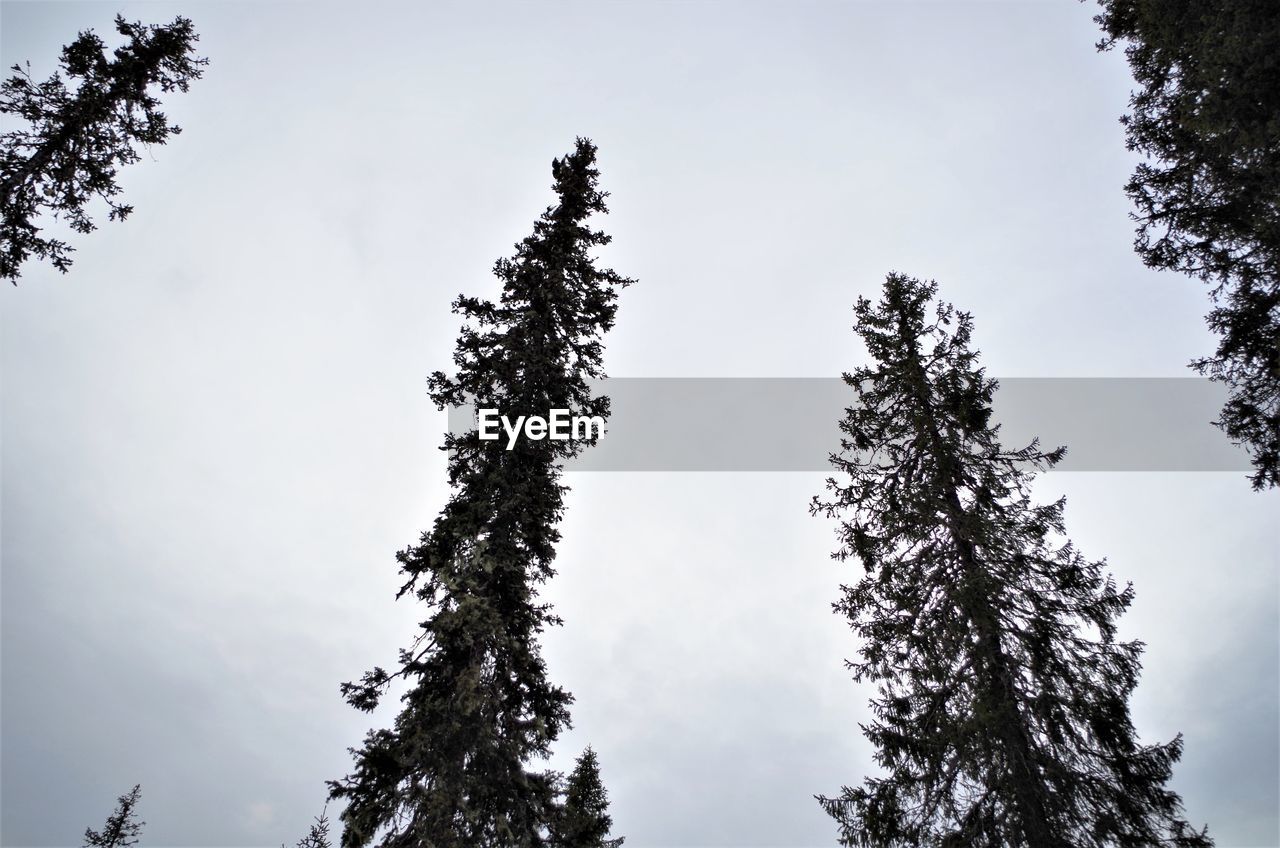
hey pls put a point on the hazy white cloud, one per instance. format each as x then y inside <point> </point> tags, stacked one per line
<point>260,814</point>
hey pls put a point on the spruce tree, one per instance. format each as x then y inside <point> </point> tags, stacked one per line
<point>318,834</point>
<point>1207,117</point>
<point>584,821</point>
<point>122,827</point>
<point>73,142</point>
<point>1002,719</point>
<point>454,770</point>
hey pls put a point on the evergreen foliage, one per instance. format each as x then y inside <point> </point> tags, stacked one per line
<point>122,827</point>
<point>72,143</point>
<point>318,835</point>
<point>453,771</point>
<point>1207,115</point>
<point>1002,719</point>
<point>584,820</point>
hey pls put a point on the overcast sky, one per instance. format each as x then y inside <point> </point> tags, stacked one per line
<point>216,432</point>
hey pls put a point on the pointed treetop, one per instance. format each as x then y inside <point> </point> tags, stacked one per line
<point>122,827</point>
<point>584,820</point>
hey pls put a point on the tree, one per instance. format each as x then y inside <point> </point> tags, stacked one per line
<point>73,143</point>
<point>1002,717</point>
<point>453,772</point>
<point>1207,116</point>
<point>584,820</point>
<point>122,827</point>
<point>318,835</point>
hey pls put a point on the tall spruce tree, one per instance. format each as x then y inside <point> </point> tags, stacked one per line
<point>454,770</point>
<point>1002,719</point>
<point>584,820</point>
<point>72,143</point>
<point>122,827</point>
<point>1207,116</point>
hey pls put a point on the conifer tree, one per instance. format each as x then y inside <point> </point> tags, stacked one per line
<point>1002,719</point>
<point>318,834</point>
<point>1207,117</point>
<point>71,144</point>
<point>454,770</point>
<point>584,821</point>
<point>122,827</point>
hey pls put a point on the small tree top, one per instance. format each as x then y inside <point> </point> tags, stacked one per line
<point>585,820</point>
<point>122,827</point>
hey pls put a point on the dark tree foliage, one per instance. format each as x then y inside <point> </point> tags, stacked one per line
<point>584,821</point>
<point>318,835</point>
<point>1207,115</point>
<point>73,142</point>
<point>122,827</point>
<point>453,771</point>
<point>1002,718</point>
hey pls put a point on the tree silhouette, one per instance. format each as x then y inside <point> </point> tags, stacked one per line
<point>72,143</point>
<point>1002,719</point>
<point>453,772</point>
<point>1208,199</point>
<point>122,827</point>
<point>584,820</point>
<point>318,835</point>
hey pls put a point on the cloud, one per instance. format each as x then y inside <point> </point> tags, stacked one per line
<point>260,814</point>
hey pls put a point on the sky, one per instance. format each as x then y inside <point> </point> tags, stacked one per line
<point>216,432</point>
